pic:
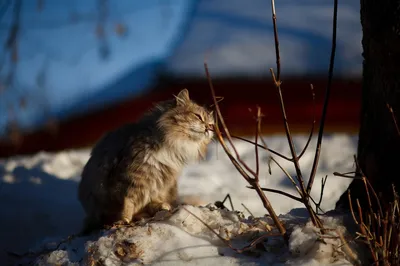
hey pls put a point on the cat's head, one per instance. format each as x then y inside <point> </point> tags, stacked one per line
<point>187,120</point>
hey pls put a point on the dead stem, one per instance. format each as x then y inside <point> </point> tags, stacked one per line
<point>323,183</point>
<point>277,53</point>
<point>247,209</point>
<point>224,127</point>
<point>351,207</point>
<point>326,101</point>
<point>221,204</point>
<point>238,162</point>
<point>364,231</point>
<point>312,126</point>
<point>287,130</point>
<point>260,146</point>
<point>288,176</point>
<point>277,82</point>
<point>226,242</point>
<point>258,126</point>
<point>280,192</point>
<point>347,175</point>
<point>347,250</point>
<point>273,151</point>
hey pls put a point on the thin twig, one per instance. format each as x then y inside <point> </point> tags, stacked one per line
<point>323,183</point>
<point>287,130</point>
<point>277,82</point>
<point>326,101</point>
<point>252,181</point>
<point>247,209</point>
<point>270,150</point>
<point>277,53</point>
<point>280,192</point>
<point>364,231</point>
<point>226,242</point>
<point>346,175</point>
<point>288,176</point>
<point>271,158</point>
<point>220,204</point>
<point>258,126</point>
<point>224,127</point>
<point>369,185</point>
<point>312,126</point>
<point>261,146</point>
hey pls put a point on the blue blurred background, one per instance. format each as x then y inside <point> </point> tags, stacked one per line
<point>61,59</point>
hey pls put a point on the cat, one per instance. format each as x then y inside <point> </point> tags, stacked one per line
<point>134,169</point>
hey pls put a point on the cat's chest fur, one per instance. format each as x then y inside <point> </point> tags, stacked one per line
<point>164,165</point>
<point>174,155</point>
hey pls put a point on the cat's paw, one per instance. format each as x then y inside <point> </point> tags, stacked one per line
<point>165,206</point>
<point>155,207</point>
<point>124,221</point>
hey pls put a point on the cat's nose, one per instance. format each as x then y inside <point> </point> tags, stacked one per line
<point>210,127</point>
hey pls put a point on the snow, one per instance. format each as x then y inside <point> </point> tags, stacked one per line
<point>38,200</point>
<point>182,238</point>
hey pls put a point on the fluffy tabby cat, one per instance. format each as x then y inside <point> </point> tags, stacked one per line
<point>134,169</point>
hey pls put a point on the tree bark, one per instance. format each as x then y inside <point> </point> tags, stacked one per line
<point>379,141</point>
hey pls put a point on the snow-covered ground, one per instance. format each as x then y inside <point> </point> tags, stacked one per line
<point>38,194</point>
<point>208,236</point>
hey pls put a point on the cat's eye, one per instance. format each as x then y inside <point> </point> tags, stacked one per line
<point>199,117</point>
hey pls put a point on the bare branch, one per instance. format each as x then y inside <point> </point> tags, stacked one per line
<point>220,204</point>
<point>288,176</point>
<point>263,147</point>
<point>258,126</point>
<point>346,175</point>
<point>252,181</point>
<point>279,192</point>
<point>323,183</point>
<point>277,82</point>
<point>224,127</point>
<point>326,101</point>
<point>226,242</point>
<point>312,126</point>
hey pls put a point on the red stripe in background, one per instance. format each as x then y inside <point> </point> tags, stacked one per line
<point>239,95</point>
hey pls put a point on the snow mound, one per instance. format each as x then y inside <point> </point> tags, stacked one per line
<point>187,236</point>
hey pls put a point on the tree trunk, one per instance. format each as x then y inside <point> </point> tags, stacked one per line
<point>379,140</point>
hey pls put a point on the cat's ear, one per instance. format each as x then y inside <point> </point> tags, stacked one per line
<point>182,98</point>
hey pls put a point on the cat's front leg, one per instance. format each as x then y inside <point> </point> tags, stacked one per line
<point>133,206</point>
<point>127,211</point>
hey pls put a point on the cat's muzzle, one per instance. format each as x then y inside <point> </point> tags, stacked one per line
<point>210,130</point>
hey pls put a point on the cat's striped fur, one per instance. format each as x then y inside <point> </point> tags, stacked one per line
<point>134,169</point>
